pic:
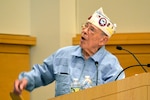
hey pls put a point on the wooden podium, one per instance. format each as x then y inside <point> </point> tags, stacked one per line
<point>131,88</point>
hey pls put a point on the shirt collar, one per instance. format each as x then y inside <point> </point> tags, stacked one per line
<point>78,52</point>
<point>96,57</point>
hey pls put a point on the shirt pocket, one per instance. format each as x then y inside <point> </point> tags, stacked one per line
<point>62,83</point>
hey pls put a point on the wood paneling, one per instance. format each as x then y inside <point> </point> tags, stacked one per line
<point>14,58</point>
<point>131,88</point>
<point>17,39</point>
<point>137,43</point>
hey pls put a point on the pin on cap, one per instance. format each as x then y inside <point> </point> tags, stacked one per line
<point>100,20</point>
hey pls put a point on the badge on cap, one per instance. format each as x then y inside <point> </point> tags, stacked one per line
<point>102,22</point>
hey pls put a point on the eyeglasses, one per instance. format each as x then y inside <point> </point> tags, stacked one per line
<point>89,27</point>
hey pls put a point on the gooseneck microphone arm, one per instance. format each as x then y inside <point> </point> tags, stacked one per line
<point>120,48</point>
<point>148,65</point>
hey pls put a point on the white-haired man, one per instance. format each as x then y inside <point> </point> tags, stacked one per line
<point>89,58</point>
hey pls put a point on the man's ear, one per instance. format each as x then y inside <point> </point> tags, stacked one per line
<point>104,40</point>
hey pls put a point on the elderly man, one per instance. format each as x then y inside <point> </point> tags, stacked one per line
<point>90,58</point>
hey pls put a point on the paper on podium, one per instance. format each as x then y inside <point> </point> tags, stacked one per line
<point>15,96</point>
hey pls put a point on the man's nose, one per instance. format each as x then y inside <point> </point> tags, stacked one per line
<point>85,30</point>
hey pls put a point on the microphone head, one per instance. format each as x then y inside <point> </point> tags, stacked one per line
<point>148,65</point>
<point>119,47</point>
<point>96,62</point>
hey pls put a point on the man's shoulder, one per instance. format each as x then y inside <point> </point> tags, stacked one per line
<point>68,49</point>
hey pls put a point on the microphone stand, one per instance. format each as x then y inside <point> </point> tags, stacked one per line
<point>96,64</point>
<point>120,48</point>
<point>130,67</point>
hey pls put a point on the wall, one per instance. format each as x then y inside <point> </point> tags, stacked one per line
<point>55,22</point>
<point>15,16</point>
<point>67,24</point>
<point>45,26</point>
<point>46,20</point>
<point>129,15</point>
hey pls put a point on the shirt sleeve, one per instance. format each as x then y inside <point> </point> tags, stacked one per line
<point>40,75</point>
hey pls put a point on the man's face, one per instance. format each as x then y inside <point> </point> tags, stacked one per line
<point>92,37</point>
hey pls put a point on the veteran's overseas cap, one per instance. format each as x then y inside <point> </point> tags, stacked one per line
<point>100,20</point>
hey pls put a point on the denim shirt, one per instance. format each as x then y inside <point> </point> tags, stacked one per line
<point>68,63</point>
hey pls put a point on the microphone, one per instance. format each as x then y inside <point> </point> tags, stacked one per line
<point>148,65</point>
<point>120,48</point>
<point>96,64</point>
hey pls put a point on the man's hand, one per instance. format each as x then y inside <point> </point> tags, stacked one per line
<point>19,85</point>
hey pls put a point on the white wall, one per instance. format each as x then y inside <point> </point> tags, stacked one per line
<point>45,26</point>
<point>54,25</point>
<point>67,10</point>
<point>15,17</point>
<point>130,15</point>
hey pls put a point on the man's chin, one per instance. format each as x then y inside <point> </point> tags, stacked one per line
<point>83,45</point>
